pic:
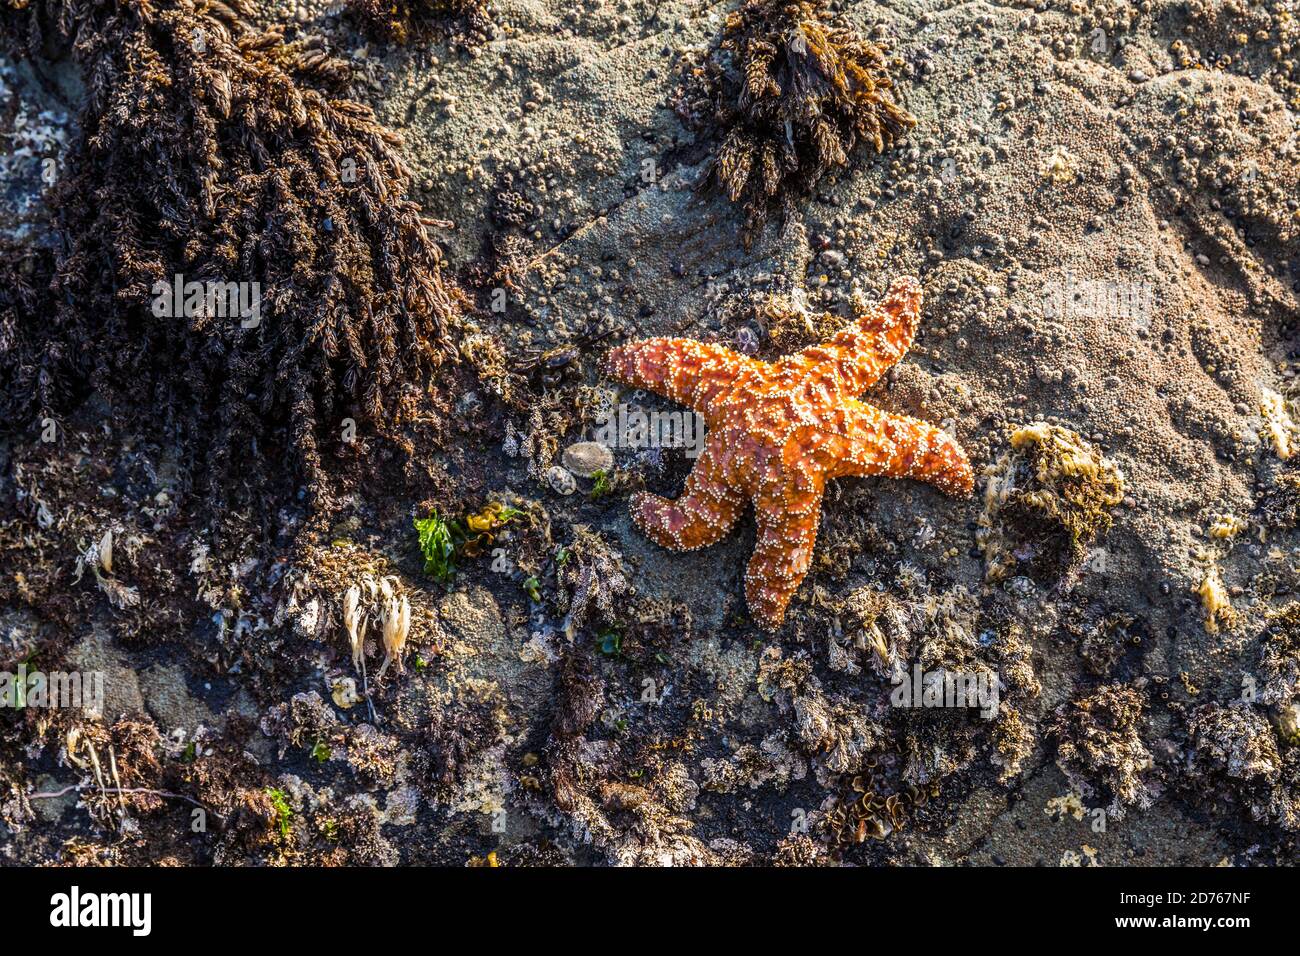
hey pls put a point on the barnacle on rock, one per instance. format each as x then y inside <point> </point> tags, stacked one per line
<point>1102,643</point>
<point>791,325</point>
<point>1015,730</point>
<point>951,636</point>
<point>774,762</point>
<point>1045,501</point>
<point>874,621</point>
<point>797,97</point>
<point>799,849</point>
<point>238,260</point>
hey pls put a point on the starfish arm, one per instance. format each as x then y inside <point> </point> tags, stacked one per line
<point>707,509</point>
<point>873,442</point>
<point>783,550</point>
<point>854,358</point>
<point>690,373</point>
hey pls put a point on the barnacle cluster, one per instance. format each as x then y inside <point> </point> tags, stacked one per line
<point>794,95</point>
<point>1238,37</point>
<point>873,632</point>
<point>1102,643</point>
<point>237,255</point>
<point>1045,501</point>
<point>1278,671</point>
<point>1279,656</point>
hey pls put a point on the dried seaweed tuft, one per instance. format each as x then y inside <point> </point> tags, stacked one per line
<point>796,95</point>
<point>223,162</point>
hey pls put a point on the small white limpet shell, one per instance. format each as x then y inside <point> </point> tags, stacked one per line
<point>561,480</point>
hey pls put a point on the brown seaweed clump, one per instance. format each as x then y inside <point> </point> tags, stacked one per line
<point>797,97</point>
<point>27,363</point>
<point>590,579</point>
<point>465,23</point>
<point>1045,502</point>
<point>872,809</point>
<point>238,260</point>
<point>1100,748</point>
<point>632,823</point>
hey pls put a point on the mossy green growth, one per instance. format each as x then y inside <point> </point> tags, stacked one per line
<point>443,541</point>
<point>604,485</point>
<point>283,812</point>
<point>437,546</point>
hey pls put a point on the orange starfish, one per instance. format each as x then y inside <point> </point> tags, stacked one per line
<point>777,432</point>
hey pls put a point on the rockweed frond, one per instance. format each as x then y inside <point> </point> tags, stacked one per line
<point>800,96</point>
